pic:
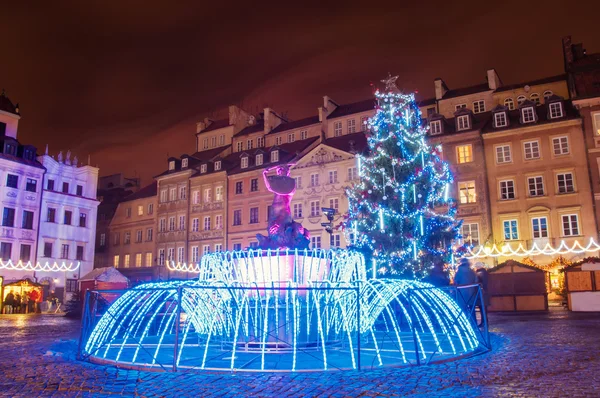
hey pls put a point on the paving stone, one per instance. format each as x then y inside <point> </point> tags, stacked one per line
<point>555,354</point>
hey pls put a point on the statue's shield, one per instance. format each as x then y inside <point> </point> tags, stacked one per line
<point>282,185</point>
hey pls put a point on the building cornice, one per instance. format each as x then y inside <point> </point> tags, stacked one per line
<point>536,127</point>
<point>586,102</point>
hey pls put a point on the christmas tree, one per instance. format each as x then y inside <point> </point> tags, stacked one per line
<point>400,211</point>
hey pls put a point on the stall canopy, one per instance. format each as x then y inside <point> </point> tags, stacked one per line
<point>24,287</point>
<point>105,274</point>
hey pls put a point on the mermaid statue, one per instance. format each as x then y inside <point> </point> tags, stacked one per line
<point>284,232</point>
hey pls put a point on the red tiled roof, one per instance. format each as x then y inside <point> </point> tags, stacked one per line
<point>255,128</point>
<point>195,159</point>
<point>6,105</point>
<point>349,142</point>
<point>296,124</point>
<point>459,92</point>
<point>356,107</point>
<point>146,192</point>
<point>217,124</point>
<point>545,80</point>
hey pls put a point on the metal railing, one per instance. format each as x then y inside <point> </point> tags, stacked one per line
<point>362,345</point>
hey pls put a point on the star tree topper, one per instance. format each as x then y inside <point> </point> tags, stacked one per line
<point>390,83</point>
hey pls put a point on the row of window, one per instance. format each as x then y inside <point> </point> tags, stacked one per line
<point>259,159</point>
<point>531,150</point>
<point>139,236</point>
<point>213,142</point>
<point>140,210</point>
<point>534,97</point>
<point>565,183</point>
<point>147,258</point>
<point>260,142</point>
<point>173,194</point>
<point>64,251</point>
<point>195,227</point>
<point>67,217</point>
<point>350,126</point>
<point>539,229</point>
<point>12,181</point>
<point>291,137</point>
<point>8,218</point>
<point>50,186</point>
<point>6,251</point>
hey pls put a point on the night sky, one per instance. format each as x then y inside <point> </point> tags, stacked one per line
<point>125,81</point>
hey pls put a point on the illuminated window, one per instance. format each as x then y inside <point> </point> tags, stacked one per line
<point>507,190</point>
<point>140,210</point>
<point>470,234</point>
<point>570,224</point>
<point>539,227</point>
<point>219,194</point>
<point>172,165</point>
<point>138,260</point>
<point>116,261</point>
<point>464,153</point>
<point>511,230</point>
<point>536,186</point>
<point>148,259</point>
<point>596,117</point>
<point>466,190</point>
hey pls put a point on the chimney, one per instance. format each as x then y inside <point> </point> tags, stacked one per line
<point>567,52</point>
<point>267,119</point>
<point>440,88</point>
<point>200,126</point>
<point>234,112</point>
<point>493,80</point>
<point>321,114</point>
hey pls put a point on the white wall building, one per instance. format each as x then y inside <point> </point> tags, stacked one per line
<point>68,224</point>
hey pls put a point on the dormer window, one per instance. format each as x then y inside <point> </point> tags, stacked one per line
<point>509,103</point>
<point>203,168</point>
<point>463,123</point>
<point>500,119</point>
<point>172,165</point>
<point>435,127</point>
<point>245,162</point>
<point>521,99</point>
<point>275,156</point>
<point>556,110</point>
<point>184,163</point>
<point>479,106</point>
<point>259,159</point>
<point>528,115</point>
<point>535,97</point>
<point>217,165</point>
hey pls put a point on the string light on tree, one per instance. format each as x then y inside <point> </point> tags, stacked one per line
<point>400,210</point>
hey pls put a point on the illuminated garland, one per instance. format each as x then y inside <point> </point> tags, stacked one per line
<point>547,250</point>
<point>183,267</point>
<point>20,266</point>
<point>400,210</point>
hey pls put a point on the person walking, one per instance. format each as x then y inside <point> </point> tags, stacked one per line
<point>17,304</point>
<point>482,279</point>
<point>438,277</point>
<point>8,303</point>
<point>465,276</point>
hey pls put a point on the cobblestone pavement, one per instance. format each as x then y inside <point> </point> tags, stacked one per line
<point>556,354</point>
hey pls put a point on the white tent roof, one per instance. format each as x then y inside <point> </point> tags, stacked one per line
<point>105,274</point>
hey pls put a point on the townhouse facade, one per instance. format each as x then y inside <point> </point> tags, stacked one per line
<point>133,228</point>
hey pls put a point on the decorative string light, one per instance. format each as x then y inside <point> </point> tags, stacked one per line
<point>47,267</point>
<point>506,250</point>
<point>403,220</point>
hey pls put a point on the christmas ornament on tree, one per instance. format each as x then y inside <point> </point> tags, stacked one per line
<point>400,211</point>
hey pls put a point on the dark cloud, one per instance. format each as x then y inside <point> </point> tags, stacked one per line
<point>125,81</point>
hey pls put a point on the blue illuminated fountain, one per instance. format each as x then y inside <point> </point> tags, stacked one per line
<point>280,310</point>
